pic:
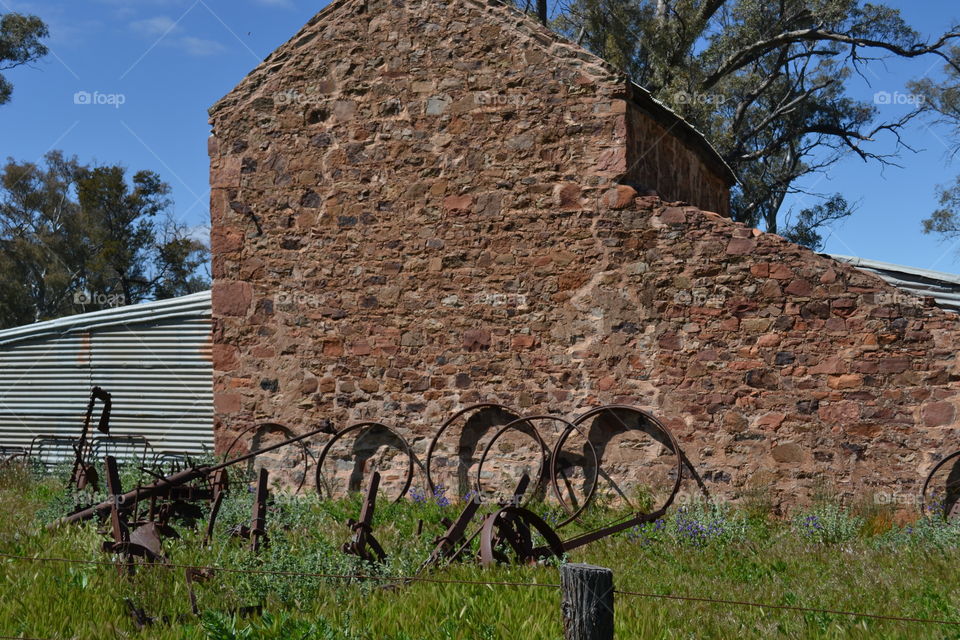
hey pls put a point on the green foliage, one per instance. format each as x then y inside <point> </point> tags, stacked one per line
<point>827,523</point>
<point>698,524</point>
<point>77,238</point>
<point>940,100</point>
<point>39,231</point>
<point>733,553</point>
<point>219,626</point>
<point>805,229</point>
<point>20,43</point>
<point>929,532</point>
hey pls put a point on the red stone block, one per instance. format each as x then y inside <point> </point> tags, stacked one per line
<point>828,366</point>
<point>620,197</point>
<point>770,420</point>
<point>360,348</point>
<point>225,403</point>
<point>842,412</point>
<point>761,270</point>
<point>225,240</point>
<point>227,174</point>
<point>333,348</point>
<point>669,341</point>
<point>740,246</point>
<point>799,287</point>
<point>476,340</point>
<point>938,414</point>
<point>780,272</point>
<point>606,383</point>
<point>230,298</point>
<point>845,381</point>
<point>226,357</point>
<point>522,342</point>
<point>568,196</point>
<point>611,161</point>
<point>457,204</point>
<point>673,215</point>
<point>768,340</point>
<point>893,365</point>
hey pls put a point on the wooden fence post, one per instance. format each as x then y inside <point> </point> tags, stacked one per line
<point>587,603</point>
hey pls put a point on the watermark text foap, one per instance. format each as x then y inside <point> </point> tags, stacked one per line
<point>294,97</point>
<point>115,100</point>
<point>683,97</point>
<point>898,97</point>
<point>489,98</point>
<point>898,498</point>
<point>884,298</point>
<point>299,300</point>
<point>85,297</point>
<point>518,300</point>
<point>699,298</point>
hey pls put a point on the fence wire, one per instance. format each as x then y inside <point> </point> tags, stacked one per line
<point>483,583</point>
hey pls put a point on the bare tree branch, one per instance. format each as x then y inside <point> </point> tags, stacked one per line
<point>758,49</point>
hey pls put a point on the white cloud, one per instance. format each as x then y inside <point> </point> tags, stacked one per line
<point>200,233</point>
<point>200,46</point>
<point>157,26</point>
<point>64,30</point>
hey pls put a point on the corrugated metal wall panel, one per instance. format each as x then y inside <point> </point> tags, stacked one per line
<point>157,365</point>
<point>44,385</point>
<point>161,378</point>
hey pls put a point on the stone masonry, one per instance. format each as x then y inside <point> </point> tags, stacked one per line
<point>417,206</point>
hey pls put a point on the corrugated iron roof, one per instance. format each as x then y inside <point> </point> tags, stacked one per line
<point>943,287</point>
<point>191,305</point>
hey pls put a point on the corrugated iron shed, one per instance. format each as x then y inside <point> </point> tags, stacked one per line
<point>943,287</point>
<point>155,358</point>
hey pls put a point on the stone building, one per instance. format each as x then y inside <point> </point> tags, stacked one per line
<point>420,205</point>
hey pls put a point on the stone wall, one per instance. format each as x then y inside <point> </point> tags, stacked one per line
<point>421,213</point>
<point>661,157</point>
<point>774,366</point>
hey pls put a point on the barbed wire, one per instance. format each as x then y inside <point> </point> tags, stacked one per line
<point>484,583</point>
<point>292,574</point>
<point>786,607</point>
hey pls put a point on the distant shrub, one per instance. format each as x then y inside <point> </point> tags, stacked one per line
<point>827,523</point>
<point>928,531</point>
<point>699,524</point>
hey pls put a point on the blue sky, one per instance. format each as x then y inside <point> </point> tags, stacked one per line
<point>167,61</point>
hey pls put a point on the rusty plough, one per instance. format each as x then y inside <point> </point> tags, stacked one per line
<point>488,529</point>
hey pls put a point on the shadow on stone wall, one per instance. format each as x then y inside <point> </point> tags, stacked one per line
<point>484,422</point>
<point>365,448</point>
<point>952,490</point>
<point>605,427</point>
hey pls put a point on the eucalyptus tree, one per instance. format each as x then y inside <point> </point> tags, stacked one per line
<point>767,83</point>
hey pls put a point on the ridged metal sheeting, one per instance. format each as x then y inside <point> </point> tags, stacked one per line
<point>943,287</point>
<point>154,358</point>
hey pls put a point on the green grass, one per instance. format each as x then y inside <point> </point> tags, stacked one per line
<point>826,557</point>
